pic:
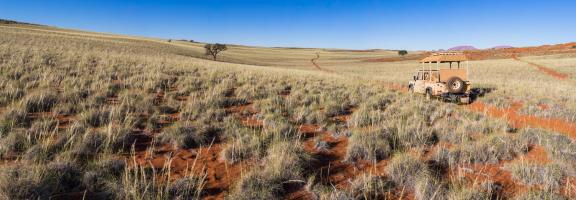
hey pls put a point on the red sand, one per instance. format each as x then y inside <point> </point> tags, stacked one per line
<point>523,121</point>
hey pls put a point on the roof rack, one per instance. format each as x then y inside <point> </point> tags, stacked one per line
<point>444,57</point>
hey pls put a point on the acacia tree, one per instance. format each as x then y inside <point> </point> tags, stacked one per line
<point>214,49</point>
<point>402,52</point>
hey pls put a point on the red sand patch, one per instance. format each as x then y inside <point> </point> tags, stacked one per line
<point>247,115</point>
<point>536,154</point>
<point>479,173</point>
<point>523,121</point>
<point>202,161</point>
<point>544,69</point>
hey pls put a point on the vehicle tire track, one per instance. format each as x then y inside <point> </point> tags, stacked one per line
<point>542,68</point>
<point>313,60</point>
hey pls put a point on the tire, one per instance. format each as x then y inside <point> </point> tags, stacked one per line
<point>428,94</point>
<point>456,85</point>
<point>411,88</point>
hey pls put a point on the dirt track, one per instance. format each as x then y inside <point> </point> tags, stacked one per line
<point>313,60</point>
<point>551,72</point>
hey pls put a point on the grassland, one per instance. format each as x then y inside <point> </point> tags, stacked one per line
<point>102,116</point>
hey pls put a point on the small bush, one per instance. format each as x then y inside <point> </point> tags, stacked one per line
<point>89,147</point>
<point>62,177</point>
<point>19,183</point>
<point>370,145</point>
<point>405,170</point>
<point>371,187</point>
<point>15,142</point>
<point>462,192</point>
<point>557,145</point>
<point>549,176</point>
<point>335,109</point>
<point>285,163</point>
<point>402,52</point>
<point>40,102</point>
<point>240,150</point>
<point>16,117</point>
<point>490,150</point>
<point>187,136</point>
<point>186,188</point>
<point>429,188</point>
<point>103,173</point>
<point>96,117</point>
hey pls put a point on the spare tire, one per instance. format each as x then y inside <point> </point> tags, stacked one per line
<point>456,85</point>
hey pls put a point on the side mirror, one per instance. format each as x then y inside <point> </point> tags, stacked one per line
<point>414,77</point>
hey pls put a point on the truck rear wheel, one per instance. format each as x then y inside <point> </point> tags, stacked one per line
<point>456,85</point>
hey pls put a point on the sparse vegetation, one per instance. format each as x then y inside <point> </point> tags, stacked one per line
<point>127,118</point>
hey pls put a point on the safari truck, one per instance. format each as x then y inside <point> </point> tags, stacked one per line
<point>449,84</point>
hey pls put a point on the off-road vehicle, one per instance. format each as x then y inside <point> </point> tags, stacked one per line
<point>449,84</point>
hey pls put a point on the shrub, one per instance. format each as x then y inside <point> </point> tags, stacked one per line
<point>103,175</point>
<point>549,176</point>
<point>463,191</point>
<point>334,109</point>
<point>16,117</point>
<point>10,95</point>
<point>557,145</point>
<point>40,102</point>
<point>186,188</point>
<point>402,52</point>
<point>369,145</point>
<point>371,187</point>
<point>19,183</point>
<point>429,188</point>
<point>15,142</point>
<point>89,147</point>
<point>405,170</point>
<point>187,136</point>
<point>285,163</point>
<point>490,150</point>
<point>278,128</point>
<point>96,117</point>
<point>62,177</point>
<point>241,149</point>
<point>365,116</point>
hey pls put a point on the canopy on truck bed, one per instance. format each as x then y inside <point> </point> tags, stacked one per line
<point>444,58</point>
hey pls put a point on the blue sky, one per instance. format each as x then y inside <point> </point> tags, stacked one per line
<point>353,24</point>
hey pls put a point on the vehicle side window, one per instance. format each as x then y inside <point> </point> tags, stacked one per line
<point>419,76</point>
<point>425,76</point>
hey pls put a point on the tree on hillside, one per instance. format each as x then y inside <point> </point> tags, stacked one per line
<point>402,52</point>
<point>214,49</point>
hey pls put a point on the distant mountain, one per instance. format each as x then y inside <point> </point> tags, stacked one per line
<point>502,47</point>
<point>462,48</point>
